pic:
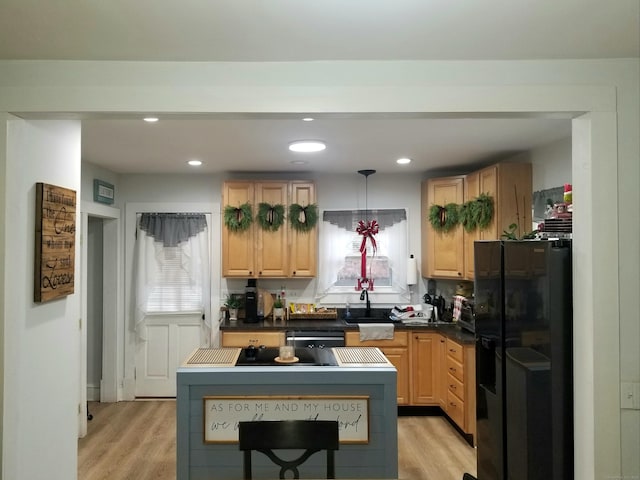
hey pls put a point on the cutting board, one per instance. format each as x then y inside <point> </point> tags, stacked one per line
<point>268,301</point>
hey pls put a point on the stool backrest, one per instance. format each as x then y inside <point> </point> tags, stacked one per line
<point>309,435</point>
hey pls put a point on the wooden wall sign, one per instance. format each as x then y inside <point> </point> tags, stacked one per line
<point>55,242</point>
<point>222,414</point>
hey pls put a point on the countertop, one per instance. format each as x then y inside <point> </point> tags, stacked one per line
<point>452,330</point>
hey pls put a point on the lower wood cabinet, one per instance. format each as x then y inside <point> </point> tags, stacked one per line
<point>256,338</point>
<point>433,370</point>
<point>397,351</point>
<point>425,367</point>
<point>459,396</point>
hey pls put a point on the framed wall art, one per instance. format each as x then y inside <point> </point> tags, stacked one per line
<point>103,192</point>
<point>55,238</point>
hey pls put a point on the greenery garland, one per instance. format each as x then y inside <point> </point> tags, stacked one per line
<point>465,218</point>
<point>482,210</point>
<point>238,219</point>
<point>443,219</point>
<point>303,219</point>
<point>270,217</point>
<point>476,213</point>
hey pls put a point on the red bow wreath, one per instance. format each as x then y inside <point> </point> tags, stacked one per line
<point>367,230</point>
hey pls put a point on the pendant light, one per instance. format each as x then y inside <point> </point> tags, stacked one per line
<point>366,174</point>
<point>368,230</point>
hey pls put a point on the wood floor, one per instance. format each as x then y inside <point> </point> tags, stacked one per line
<point>137,441</point>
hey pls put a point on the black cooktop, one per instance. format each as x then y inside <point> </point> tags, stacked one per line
<point>306,357</point>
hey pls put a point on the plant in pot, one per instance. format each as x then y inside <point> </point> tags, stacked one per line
<point>278,308</point>
<point>233,303</point>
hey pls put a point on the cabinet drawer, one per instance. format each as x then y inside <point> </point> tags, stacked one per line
<point>455,350</point>
<point>455,368</point>
<point>243,339</point>
<point>400,339</point>
<point>455,409</point>
<point>455,386</point>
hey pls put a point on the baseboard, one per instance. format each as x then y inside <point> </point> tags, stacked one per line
<point>93,393</point>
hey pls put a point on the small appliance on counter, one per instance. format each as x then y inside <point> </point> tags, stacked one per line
<point>438,306</point>
<point>251,302</point>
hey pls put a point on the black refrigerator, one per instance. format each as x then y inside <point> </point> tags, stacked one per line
<point>524,369</point>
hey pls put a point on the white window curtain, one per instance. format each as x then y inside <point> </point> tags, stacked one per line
<point>340,251</point>
<point>172,270</point>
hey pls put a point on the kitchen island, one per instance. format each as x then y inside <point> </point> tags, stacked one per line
<point>213,397</point>
<point>435,362</point>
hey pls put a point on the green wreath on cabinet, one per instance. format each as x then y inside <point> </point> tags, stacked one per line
<point>238,219</point>
<point>444,219</point>
<point>476,213</point>
<point>270,217</point>
<point>303,219</point>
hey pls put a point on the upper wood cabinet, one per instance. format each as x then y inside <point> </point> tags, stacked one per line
<point>304,245</point>
<point>258,253</point>
<point>238,248</point>
<point>442,253</point>
<point>451,255</point>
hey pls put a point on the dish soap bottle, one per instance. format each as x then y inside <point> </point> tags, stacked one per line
<point>347,312</point>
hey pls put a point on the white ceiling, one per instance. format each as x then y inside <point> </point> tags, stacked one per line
<point>303,30</point>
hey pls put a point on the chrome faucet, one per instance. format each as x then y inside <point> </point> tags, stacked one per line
<point>363,295</point>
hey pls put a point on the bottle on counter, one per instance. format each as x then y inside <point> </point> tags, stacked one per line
<point>260,313</point>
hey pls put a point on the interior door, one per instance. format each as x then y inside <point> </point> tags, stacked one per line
<point>169,340</point>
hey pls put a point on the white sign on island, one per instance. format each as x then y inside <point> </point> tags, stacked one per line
<point>223,413</point>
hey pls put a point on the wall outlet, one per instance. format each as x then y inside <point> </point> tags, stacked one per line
<point>630,395</point>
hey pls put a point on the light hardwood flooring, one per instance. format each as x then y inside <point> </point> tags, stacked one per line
<point>137,441</point>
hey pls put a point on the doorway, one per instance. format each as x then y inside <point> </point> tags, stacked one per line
<point>95,305</point>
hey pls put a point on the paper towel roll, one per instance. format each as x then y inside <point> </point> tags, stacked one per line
<point>412,271</point>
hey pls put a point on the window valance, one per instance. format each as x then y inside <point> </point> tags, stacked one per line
<point>172,229</point>
<point>348,219</point>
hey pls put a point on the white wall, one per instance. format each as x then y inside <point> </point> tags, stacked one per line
<point>607,88</point>
<point>41,341</point>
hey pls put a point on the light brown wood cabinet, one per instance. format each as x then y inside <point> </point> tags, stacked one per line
<point>264,254</point>
<point>303,245</point>
<point>255,338</point>
<point>458,394</point>
<point>442,252</point>
<point>397,352</point>
<point>450,255</point>
<point>425,368</point>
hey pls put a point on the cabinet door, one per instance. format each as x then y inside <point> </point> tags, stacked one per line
<point>471,191</point>
<point>400,358</point>
<point>441,373</point>
<point>482,181</point>
<point>424,365</point>
<point>444,251</point>
<point>304,245</point>
<point>238,247</point>
<point>488,183</point>
<point>272,252</point>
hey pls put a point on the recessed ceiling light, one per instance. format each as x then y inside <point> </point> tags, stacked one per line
<point>298,162</point>
<point>307,146</point>
<point>194,163</point>
<point>307,119</point>
<point>403,161</point>
<point>150,119</point>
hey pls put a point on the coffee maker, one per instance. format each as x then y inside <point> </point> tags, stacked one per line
<point>251,302</point>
